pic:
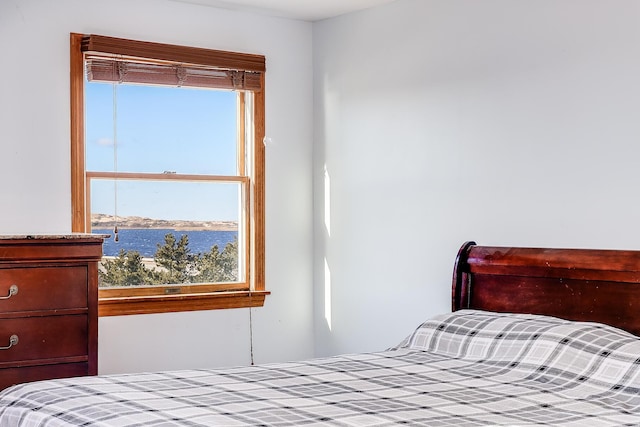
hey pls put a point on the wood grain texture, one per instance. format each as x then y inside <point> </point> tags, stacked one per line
<point>173,53</point>
<point>259,205</point>
<point>54,313</point>
<point>187,302</point>
<point>576,284</point>
<point>79,222</point>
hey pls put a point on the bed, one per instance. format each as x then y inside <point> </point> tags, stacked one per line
<point>535,337</point>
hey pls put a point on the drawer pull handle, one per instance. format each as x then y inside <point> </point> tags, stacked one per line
<point>13,289</point>
<point>13,340</point>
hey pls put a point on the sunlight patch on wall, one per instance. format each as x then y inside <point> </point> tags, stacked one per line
<point>327,201</point>
<point>327,293</point>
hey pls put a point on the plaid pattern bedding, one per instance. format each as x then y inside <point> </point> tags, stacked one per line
<point>468,368</point>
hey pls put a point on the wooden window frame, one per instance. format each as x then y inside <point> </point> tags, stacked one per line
<point>184,297</point>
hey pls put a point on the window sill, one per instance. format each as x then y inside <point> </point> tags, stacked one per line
<point>121,306</point>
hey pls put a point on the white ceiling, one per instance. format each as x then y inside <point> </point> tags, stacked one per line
<point>306,10</point>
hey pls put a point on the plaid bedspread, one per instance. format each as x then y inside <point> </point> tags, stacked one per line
<point>468,368</point>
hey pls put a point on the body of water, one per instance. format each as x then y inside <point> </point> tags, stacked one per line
<point>146,240</point>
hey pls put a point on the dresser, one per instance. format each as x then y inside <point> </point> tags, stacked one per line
<point>48,306</point>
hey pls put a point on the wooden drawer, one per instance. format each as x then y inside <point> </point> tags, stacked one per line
<point>43,288</point>
<point>44,338</point>
<point>11,376</point>
<point>53,314</point>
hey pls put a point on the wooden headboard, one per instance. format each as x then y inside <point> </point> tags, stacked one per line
<point>576,284</point>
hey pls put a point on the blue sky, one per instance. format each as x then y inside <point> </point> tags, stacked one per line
<point>159,129</point>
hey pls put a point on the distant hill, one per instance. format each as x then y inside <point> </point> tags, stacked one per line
<point>107,221</point>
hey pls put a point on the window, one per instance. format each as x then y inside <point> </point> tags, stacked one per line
<point>167,157</point>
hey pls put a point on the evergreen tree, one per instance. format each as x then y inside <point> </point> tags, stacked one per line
<point>215,266</point>
<point>175,265</point>
<point>229,262</point>
<point>175,257</point>
<point>126,269</point>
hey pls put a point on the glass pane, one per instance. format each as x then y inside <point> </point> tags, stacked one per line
<point>169,232</point>
<point>160,129</point>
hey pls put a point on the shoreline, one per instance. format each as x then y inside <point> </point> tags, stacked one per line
<point>147,240</point>
<point>102,221</point>
<point>192,228</point>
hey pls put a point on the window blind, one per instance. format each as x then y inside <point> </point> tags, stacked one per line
<point>110,59</point>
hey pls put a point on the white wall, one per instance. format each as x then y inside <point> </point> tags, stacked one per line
<point>35,173</point>
<point>439,121</point>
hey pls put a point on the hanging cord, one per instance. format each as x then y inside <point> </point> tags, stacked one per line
<point>115,161</point>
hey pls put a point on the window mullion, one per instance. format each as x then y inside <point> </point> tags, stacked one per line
<point>165,177</point>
